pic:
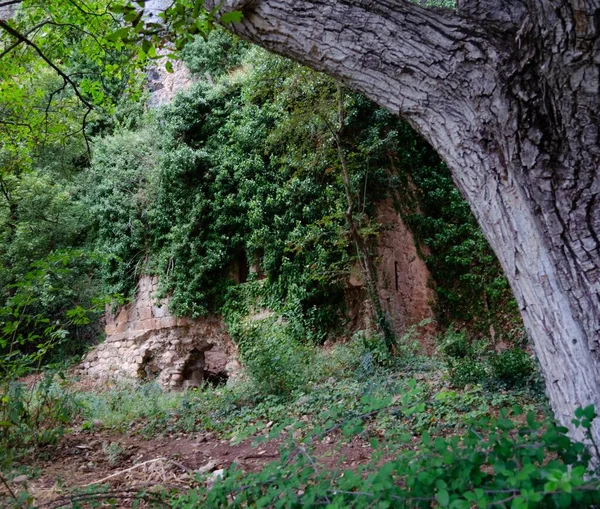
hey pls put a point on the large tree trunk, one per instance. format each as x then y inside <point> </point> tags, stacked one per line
<point>508,93</point>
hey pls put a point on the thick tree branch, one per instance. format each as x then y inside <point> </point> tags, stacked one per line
<point>18,42</point>
<point>397,53</point>
<point>505,14</point>
<point>9,3</point>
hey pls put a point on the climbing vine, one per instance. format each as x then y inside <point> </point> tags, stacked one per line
<point>241,176</point>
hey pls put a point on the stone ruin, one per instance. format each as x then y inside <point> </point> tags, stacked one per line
<point>144,341</point>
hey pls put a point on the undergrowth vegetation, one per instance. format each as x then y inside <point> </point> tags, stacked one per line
<point>426,444</point>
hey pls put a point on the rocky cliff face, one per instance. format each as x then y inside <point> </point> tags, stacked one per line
<point>403,278</point>
<point>403,282</point>
<point>144,341</point>
<point>164,85</point>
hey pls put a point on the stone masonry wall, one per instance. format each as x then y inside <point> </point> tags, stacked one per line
<point>144,341</point>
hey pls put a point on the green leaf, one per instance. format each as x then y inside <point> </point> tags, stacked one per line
<point>443,498</point>
<point>589,412</point>
<point>232,17</point>
<point>146,45</point>
<point>519,503</point>
<point>120,34</point>
<point>564,500</point>
<point>426,438</point>
<point>460,504</point>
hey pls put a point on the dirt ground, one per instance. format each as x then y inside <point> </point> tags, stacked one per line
<point>84,459</point>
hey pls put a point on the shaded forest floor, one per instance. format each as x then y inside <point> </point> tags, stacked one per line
<point>82,461</point>
<point>123,442</point>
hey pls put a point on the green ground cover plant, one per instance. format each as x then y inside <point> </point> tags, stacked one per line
<point>429,444</point>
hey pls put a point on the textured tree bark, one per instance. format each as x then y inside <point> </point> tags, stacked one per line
<point>508,93</point>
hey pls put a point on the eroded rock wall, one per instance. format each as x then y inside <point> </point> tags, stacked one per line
<point>164,85</point>
<point>144,341</point>
<point>402,276</point>
<point>403,282</point>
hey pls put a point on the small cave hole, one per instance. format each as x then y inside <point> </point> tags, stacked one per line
<point>193,369</point>
<point>216,378</point>
<point>239,268</point>
<point>148,370</point>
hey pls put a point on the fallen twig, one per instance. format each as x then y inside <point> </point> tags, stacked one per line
<point>10,491</point>
<point>121,472</point>
<point>114,494</point>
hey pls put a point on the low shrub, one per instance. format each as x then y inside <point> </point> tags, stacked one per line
<point>31,418</point>
<point>512,367</point>
<point>471,362</point>
<point>276,363</point>
<point>455,344</point>
<point>468,371</point>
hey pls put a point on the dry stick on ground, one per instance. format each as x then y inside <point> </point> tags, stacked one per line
<point>134,491</point>
<point>121,472</point>
<point>126,493</point>
<point>181,466</point>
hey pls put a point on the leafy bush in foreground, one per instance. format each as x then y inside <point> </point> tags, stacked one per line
<point>497,463</point>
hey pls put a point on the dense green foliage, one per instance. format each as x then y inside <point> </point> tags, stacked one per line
<point>243,170</point>
<point>119,177</point>
<point>66,95</point>
<point>49,109</point>
<point>240,171</point>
